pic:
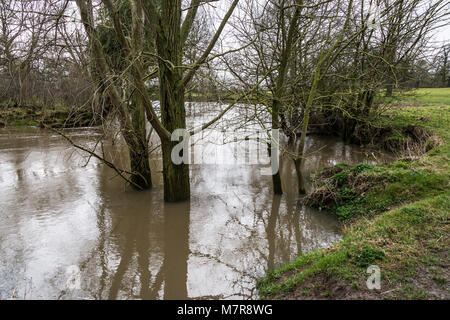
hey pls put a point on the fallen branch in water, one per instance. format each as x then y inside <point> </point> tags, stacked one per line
<point>119,171</point>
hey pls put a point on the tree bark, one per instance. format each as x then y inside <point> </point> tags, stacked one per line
<point>139,153</point>
<point>176,177</point>
<point>173,113</point>
<point>276,178</point>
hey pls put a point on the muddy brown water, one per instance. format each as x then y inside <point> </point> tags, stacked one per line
<point>74,231</point>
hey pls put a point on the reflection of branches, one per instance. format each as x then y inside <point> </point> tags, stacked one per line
<point>157,284</point>
<point>233,268</point>
<point>223,297</point>
<point>240,281</point>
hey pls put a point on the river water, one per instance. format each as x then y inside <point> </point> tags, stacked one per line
<point>71,230</point>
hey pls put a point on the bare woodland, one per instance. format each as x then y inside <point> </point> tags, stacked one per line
<point>300,66</point>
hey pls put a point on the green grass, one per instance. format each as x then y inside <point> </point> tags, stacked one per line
<point>367,189</point>
<point>397,241</point>
<point>394,216</point>
<point>427,96</point>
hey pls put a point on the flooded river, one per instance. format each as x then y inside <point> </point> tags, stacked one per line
<point>74,231</point>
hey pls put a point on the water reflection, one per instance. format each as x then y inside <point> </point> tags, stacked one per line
<point>176,250</point>
<point>56,215</point>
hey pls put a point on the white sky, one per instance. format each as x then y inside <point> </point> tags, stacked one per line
<point>443,34</point>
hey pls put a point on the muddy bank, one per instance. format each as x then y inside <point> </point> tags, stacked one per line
<point>57,117</point>
<point>427,283</point>
<point>407,245</point>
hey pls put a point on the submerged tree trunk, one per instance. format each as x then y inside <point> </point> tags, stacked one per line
<point>176,177</point>
<point>173,112</point>
<point>276,178</point>
<point>298,170</point>
<point>140,167</point>
<point>298,161</point>
<point>132,121</point>
<point>139,153</point>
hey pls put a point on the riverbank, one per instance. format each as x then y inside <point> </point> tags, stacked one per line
<point>39,116</point>
<point>395,216</point>
<point>60,116</point>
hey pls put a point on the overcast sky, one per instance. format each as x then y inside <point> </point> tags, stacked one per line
<point>443,34</point>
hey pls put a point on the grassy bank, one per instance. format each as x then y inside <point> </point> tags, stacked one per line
<point>395,216</point>
<point>426,96</point>
<point>33,115</point>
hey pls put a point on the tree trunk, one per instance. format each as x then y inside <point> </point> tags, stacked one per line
<point>279,90</point>
<point>171,90</point>
<point>139,153</point>
<point>301,182</point>
<point>301,146</point>
<point>389,90</point>
<point>276,178</point>
<point>270,231</point>
<point>176,177</point>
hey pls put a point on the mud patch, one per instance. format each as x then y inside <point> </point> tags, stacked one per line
<point>432,281</point>
<point>322,286</point>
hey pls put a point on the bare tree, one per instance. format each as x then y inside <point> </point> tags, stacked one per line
<point>169,34</point>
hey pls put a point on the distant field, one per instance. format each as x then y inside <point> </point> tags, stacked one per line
<point>427,96</point>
